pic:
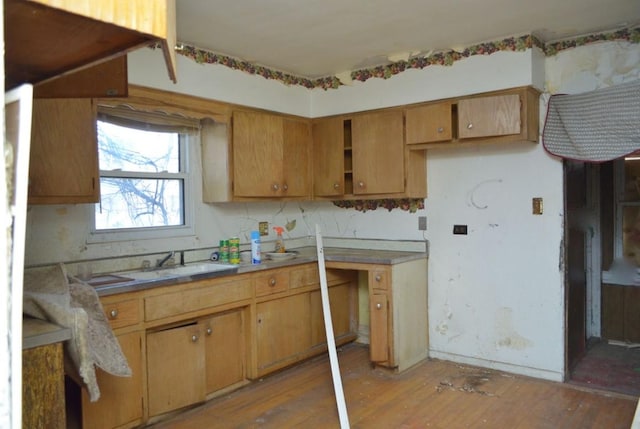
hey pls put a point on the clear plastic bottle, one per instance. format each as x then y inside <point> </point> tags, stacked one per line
<point>255,248</point>
<point>279,240</point>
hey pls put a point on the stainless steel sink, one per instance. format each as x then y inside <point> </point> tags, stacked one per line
<point>198,270</point>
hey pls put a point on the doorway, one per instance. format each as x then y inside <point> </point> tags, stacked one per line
<point>594,357</point>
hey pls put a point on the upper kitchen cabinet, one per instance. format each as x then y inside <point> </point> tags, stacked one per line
<point>271,156</point>
<point>501,116</point>
<point>377,149</point>
<point>498,115</point>
<point>328,157</point>
<point>363,156</point>
<point>63,166</point>
<point>106,79</point>
<point>429,124</point>
<point>45,39</point>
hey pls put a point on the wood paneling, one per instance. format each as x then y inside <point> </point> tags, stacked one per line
<point>43,388</point>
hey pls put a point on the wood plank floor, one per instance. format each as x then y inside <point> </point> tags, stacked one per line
<point>434,394</point>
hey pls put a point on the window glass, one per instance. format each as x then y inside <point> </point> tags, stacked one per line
<point>142,178</point>
<point>629,208</point>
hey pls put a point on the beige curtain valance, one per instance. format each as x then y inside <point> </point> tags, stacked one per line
<point>596,126</point>
<point>149,121</point>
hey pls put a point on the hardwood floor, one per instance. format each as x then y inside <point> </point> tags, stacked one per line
<point>434,394</point>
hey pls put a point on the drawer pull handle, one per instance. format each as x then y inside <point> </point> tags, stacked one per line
<point>209,331</point>
<point>113,313</point>
<point>194,338</point>
<point>379,306</point>
<point>272,282</point>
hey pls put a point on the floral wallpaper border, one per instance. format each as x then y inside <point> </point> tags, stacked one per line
<point>407,204</point>
<point>444,58</point>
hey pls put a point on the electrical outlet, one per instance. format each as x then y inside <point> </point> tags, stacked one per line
<point>422,223</point>
<point>460,229</point>
<point>263,227</point>
<point>536,204</point>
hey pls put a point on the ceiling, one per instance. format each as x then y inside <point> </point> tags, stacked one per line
<point>321,38</point>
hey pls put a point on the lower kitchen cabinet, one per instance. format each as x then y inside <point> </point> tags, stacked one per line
<point>398,322</point>
<point>621,313</point>
<point>282,331</point>
<point>187,362</point>
<point>175,368</point>
<point>188,342</point>
<point>225,354</point>
<point>120,400</point>
<point>379,350</point>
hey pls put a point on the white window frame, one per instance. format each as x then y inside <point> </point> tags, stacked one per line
<point>187,141</point>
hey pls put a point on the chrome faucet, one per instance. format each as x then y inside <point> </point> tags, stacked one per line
<point>164,260</point>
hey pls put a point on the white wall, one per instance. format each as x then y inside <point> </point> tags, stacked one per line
<point>496,294</point>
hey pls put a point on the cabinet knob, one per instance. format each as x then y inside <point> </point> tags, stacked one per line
<point>440,130</point>
<point>378,277</point>
<point>336,185</point>
<point>379,306</point>
<point>209,331</point>
<point>469,125</point>
<point>361,184</point>
<point>272,282</point>
<point>113,313</point>
<point>194,338</point>
<point>285,187</point>
<point>275,187</point>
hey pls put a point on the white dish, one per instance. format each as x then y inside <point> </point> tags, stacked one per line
<point>277,256</point>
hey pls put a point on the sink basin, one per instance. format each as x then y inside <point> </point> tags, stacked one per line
<point>203,269</point>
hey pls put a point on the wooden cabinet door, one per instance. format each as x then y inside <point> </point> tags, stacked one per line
<point>257,155</point>
<point>378,153</point>
<point>328,157</point>
<point>489,116</point>
<point>175,368</point>
<point>283,330</point>
<point>225,356</point>
<point>63,168</point>
<point>120,400</point>
<point>296,174</point>
<point>429,124</point>
<point>378,329</point>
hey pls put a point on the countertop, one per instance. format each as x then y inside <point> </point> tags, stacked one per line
<point>303,255</point>
<point>36,333</point>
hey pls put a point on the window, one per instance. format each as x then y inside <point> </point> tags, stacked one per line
<point>628,209</point>
<point>144,176</point>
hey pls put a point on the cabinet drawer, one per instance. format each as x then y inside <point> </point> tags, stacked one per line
<point>272,283</point>
<point>172,304</point>
<point>122,313</point>
<point>310,276</point>
<point>379,279</point>
<point>307,276</point>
